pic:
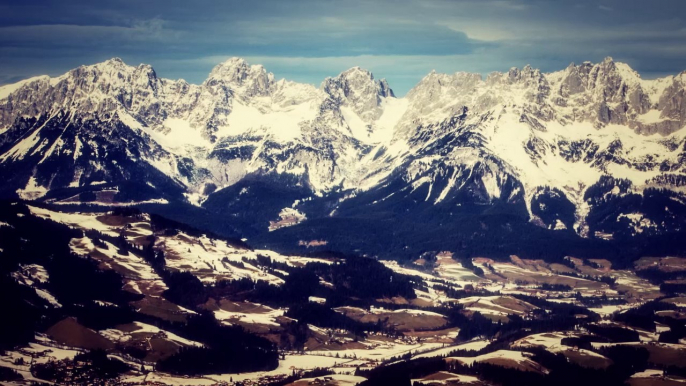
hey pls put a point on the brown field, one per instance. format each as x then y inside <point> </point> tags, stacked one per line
<point>116,221</point>
<point>160,349</point>
<point>402,321</point>
<point>439,376</point>
<point>514,304</point>
<point>394,300</point>
<point>539,273</point>
<point>161,308</point>
<point>244,307</point>
<point>446,378</point>
<point>401,300</point>
<point>584,360</point>
<point>438,336</point>
<point>666,355</point>
<point>672,314</point>
<point>665,264</point>
<point>655,381</point>
<point>157,346</point>
<point>527,365</point>
<point>314,344</point>
<point>70,333</point>
<point>255,327</point>
<point>521,366</point>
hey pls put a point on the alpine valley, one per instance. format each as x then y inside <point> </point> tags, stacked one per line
<point>519,228</point>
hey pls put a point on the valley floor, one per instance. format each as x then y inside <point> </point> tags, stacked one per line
<point>457,315</point>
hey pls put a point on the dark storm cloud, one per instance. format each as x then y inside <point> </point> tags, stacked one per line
<point>401,40</point>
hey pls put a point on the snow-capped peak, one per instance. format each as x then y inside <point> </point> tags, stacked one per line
<point>357,89</point>
<point>237,73</point>
<point>115,61</point>
<point>356,76</point>
<point>109,67</point>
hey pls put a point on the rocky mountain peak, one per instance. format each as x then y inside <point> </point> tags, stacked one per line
<point>115,60</point>
<point>437,91</point>
<point>608,61</point>
<point>386,90</point>
<point>532,79</point>
<point>236,73</point>
<point>114,66</point>
<point>609,92</point>
<point>356,71</point>
<point>112,63</point>
<point>111,73</point>
<point>575,79</point>
<point>526,72</point>
<point>436,84</point>
<point>356,88</point>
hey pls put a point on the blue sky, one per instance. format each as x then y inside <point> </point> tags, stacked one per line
<point>307,40</point>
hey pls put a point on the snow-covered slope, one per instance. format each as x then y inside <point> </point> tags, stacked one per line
<point>528,133</point>
<point>517,137</point>
<point>238,121</point>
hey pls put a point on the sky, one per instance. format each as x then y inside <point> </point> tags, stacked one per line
<point>308,40</point>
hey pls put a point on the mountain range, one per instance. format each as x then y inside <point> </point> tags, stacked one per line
<point>592,151</point>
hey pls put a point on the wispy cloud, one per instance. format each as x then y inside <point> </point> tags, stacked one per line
<point>147,31</point>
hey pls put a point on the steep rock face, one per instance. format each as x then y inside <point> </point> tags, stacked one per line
<point>237,74</point>
<point>522,138</point>
<point>613,93</point>
<point>672,104</point>
<point>362,101</point>
<point>210,107</point>
<point>357,89</point>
